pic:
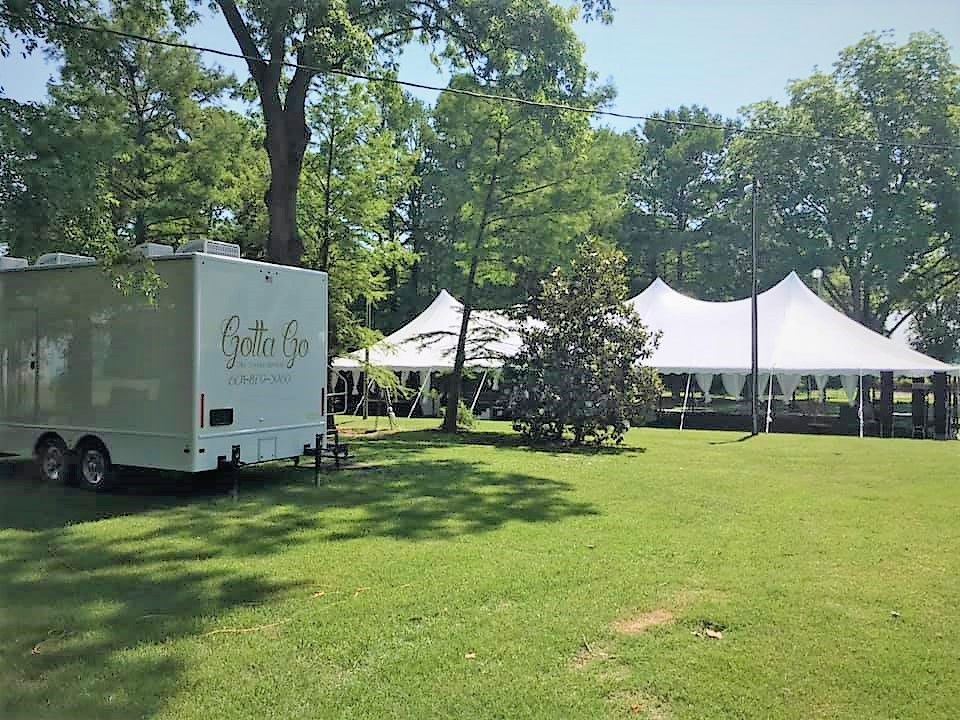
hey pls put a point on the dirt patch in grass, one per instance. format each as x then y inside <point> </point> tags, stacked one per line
<point>645,621</point>
<point>588,655</point>
<point>642,705</point>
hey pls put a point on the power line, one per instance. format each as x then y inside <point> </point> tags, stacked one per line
<point>509,98</point>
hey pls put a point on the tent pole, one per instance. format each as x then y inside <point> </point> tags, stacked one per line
<point>860,410</point>
<point>769,401</point>
<point>477,395</point>
<point>686,393</point>
<point>754,353</point>
<point>363,399</point>
<point>413,405</point>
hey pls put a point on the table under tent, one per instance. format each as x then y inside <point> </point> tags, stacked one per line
<point>422,354</point>
<point>805,347</point>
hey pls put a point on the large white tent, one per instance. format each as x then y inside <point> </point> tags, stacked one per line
<point>428,343</point>
<point>798,334</point>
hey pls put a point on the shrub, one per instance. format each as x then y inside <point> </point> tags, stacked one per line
<point>580,368</point>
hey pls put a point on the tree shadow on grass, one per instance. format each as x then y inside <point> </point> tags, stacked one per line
<point>88,610</point>
<point>437,438</point>
<point>85,626</point>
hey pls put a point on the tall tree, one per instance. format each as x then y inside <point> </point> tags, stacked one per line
<point>877,214</point>
<point>355,173</point>
<point>52,193</point>
<point>174,154</point>
<point>675,189</point>
<point>320,36</point>
<point>516,192</point>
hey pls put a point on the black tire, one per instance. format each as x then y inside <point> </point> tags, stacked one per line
<point>52,460</point>
<point>94,469</point>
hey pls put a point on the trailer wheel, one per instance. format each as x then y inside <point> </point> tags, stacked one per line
<point>52,459</point>
<point>94,470</point>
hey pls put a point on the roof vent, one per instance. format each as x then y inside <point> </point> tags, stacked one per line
<point>51,259</point>
<point>153,250</point>
<point>12,263</point>
<point>210,247</point>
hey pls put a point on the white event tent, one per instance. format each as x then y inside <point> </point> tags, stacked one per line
<point>428,343</point>
<point>798,334</point>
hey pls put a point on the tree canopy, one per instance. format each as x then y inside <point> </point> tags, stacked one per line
<point>398,199</point>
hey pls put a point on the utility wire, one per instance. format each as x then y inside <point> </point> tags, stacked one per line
<point>733,129</point>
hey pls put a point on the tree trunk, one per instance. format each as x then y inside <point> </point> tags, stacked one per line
<point>456,379</point>
<point>286,150</point>
<point>286,127</point>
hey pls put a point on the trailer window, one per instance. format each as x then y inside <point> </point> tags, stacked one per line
<point>221,417</point>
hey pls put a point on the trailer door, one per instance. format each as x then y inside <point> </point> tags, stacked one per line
<point>20,365</point>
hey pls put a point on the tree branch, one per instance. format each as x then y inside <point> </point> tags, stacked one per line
<point>242,34</point>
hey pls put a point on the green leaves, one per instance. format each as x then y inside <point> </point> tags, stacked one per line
<point>579,371</point>
<point>873,212</point>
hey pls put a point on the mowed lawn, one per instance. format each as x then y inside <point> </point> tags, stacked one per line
<point>481,579</point>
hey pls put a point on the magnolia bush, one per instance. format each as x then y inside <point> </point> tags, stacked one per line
<point>580,373</point>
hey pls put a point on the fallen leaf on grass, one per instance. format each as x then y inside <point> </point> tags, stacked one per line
<point>715,634</point>
<point>360,590</point>
<point>318,594</point>
<point>636,709</point>
<point>470,656</point>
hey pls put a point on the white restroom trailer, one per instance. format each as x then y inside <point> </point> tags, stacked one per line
<point>226,366</point>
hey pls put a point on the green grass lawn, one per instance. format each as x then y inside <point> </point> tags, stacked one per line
<point>480,579</point>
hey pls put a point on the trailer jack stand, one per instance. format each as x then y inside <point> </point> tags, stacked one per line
<point>235,471</point>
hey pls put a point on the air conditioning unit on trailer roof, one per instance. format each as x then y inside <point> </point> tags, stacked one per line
<point>51,259</point>
<point>153,250</point>
<point>210,247</point>
<point>12,263</point>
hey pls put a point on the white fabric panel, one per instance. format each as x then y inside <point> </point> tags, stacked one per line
<point>788,384</point>
<point>404,376</point>
<point>705,380</point>
<point>821,381</point>
<point>763,384</point>
<point>850,385</point>
<point>733,383</point>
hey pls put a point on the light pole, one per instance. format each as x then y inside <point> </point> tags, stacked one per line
<point>366,360</point>
<point>754,351</point>
<point>817,275</point>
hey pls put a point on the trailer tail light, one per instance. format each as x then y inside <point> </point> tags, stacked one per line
<point>203,408</point>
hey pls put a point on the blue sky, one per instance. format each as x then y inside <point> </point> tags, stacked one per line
<point>660,54</point>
